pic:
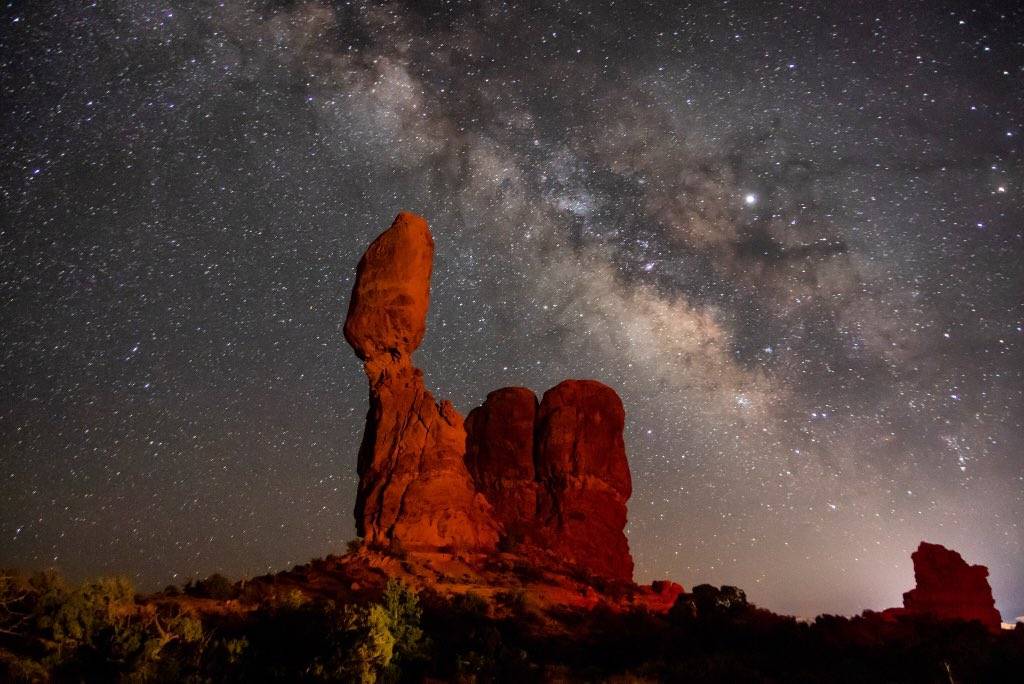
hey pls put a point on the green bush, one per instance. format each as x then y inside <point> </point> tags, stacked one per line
<point>402,607</point>
<point>374,643</point>
<point>97,630</point>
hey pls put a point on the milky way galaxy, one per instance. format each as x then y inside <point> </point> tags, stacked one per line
<point>789,234</point>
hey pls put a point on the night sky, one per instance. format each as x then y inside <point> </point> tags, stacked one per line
<point>788,234</point>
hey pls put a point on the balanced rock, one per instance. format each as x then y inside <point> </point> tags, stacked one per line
<point>387,314</point>
<point>547,479</point>
<point>414,489</point>
<point>949,589</point>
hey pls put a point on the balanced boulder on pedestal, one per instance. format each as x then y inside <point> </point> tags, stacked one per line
<point>414,489</point>
<point>551,475</point>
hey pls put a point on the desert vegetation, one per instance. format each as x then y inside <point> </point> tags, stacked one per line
<point>216,630</point>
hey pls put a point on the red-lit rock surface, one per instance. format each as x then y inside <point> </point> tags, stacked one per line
<point>659,596</point>
<point>549,480</point>
<point>499,454</point>
<point>584,476</point>
<point>495,577</point>
<point>556,474</point>
<point>387,314</point>
<point>414,488</point>
<point>949,589</point>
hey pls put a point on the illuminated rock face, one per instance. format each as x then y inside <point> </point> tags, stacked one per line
<point>556,473</point>
<point>414,489</point>
<point>950,589</point>
<point>581,463</point>
<point>547,480</point>
<point>500,457</point>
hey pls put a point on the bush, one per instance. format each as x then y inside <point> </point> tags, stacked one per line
<point>471,604</point>
<point>359,647</point>
<point>294,598</point>
<point>374,643</point>
<point>216,586</point>
<point>516,601</point>
<point>402,607</point>
<point>97,631</point>
<point>706,602</point>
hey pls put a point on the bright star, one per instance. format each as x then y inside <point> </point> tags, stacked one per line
<point>750,199</point>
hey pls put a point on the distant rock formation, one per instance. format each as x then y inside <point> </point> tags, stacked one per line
<point>949,589</point>
<point>546,480</point>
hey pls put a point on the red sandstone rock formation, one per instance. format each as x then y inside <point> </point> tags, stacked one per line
<point>414,488</point>
<point>551,480</point>
<point>582,467</point>
<point>949,589</point>
<point>557,474</point>
<point>500,457</point>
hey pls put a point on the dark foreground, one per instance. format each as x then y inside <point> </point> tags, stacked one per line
<point>271,630</point>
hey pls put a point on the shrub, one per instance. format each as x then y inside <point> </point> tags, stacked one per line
<point>706,602</point>
<point>402,606</point>
<point>516,600</point>
<point>362,647</point>
<point>470,603</point>
<point>294,598</point>
<point>216,586</point>
<point>97,631</point>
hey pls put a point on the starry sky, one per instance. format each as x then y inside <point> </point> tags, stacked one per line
<point>789,234</point>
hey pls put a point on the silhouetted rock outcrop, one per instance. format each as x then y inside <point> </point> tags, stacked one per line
<point>949,589</point>
<point>549,480</point>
